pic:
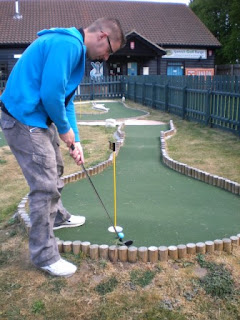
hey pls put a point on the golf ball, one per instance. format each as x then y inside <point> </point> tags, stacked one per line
<point>121,235</point>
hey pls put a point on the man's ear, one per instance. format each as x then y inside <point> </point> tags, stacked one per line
<point>102,35</point>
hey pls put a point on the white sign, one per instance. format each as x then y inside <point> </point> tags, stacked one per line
<point>17,56</point>
<point>146,71</point>
<point>185,54</point>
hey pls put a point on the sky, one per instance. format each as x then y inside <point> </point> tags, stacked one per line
<point>168,1</point>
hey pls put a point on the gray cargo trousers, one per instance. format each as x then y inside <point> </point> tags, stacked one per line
<point>37,152</point>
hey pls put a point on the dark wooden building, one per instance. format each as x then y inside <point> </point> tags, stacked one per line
<point>162,38</point>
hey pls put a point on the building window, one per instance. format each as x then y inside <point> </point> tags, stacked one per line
<point>3,70</point>
<point>115,69</point>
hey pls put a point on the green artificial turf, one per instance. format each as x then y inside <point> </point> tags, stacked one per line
<point>155,205</point>
<point>116,111</point>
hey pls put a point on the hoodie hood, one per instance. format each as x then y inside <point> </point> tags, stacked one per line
<point>68,31</point>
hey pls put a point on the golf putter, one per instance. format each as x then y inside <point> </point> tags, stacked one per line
<point>121,242</point>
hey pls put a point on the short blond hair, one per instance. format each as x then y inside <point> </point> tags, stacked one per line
<point>110,25</point>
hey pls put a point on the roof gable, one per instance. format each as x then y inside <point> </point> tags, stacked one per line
<point>160,23</point>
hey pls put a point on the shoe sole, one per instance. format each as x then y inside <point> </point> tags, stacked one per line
<point>58,275</point>
<point>68,226</point>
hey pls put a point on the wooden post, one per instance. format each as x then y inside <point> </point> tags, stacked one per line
<point>227,245</point>
<point>166,97</point>
<point>209,246</point>
<point>143,254</point>
<point>218,245</point>
<point>191,248</point>
<point>163,253</point>
<point>103,251</point>
<point>235,241</point>
<point>67,246</point>
<point>132,254</point>
<point>173,252</point>
<point>85,246</point>
<point>113,253</point>
<point>60,246</point>
<point>123,253</point>
<point>76,246</point>
<point>184,102</point>
<point>153,254</point>
<point>94,251</point>
<point>200,247</point>
<point>182,251</point>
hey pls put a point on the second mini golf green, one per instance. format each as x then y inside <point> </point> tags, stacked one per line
<point>155,205</point>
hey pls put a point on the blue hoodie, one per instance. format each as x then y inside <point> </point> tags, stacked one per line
<point>48,71</point>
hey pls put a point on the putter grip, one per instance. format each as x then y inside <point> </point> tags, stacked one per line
<point>72,147</point>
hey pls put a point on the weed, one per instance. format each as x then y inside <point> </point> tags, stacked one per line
<point>5,257</point>
<point>218,282</point>
<point>107,286</point>
<point>74,258</point>
<point>142,278</point>
<point>58,285</point>
<point>103,263</point>
<point>11,221</point>
<point>86,141</point>
<point>38,307</point>
<point>6,211</point>
<point>2,161</point>
<point>159,313</point>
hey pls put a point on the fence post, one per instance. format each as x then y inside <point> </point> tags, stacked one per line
<point>143,92</point>
<point>123,87</point>
<point>153,95</point>
<point>238,123</point>
<point>166,96</point>
<point>207,103</point>
<point>135,90</point>
<point>92,90</point>
<point>184,102</point>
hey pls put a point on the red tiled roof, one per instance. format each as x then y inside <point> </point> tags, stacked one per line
<point>161,23</point>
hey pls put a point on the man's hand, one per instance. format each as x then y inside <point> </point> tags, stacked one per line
<point>76,152</point>
<point>68,138</point>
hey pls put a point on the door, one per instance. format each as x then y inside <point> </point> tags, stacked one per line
<point>132,68</point>
<point>175,70</point>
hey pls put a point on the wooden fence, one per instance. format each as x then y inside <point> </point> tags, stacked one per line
<point>228,69</point>
<point>214,101</point>
<point>106,87</point>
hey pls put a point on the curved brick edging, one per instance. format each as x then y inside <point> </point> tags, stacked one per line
<point>151,254</point>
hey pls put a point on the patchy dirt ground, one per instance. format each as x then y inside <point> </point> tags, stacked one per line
<point>103,290</point>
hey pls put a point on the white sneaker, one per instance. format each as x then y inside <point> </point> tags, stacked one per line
<point>74,221</point>
<point>61,268</point>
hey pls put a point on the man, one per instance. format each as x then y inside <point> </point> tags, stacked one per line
<point>36,104</point>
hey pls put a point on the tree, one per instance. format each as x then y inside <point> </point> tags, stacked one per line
<point>221,17</point>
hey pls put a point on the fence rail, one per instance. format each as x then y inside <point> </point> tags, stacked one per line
<point>214,101</point>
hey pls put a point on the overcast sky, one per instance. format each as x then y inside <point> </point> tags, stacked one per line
<point>169,1</point>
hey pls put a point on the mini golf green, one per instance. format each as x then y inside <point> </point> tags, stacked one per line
<point>155,205</point>
<point>117,110</point>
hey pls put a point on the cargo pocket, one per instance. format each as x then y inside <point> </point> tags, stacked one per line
<point>45,161</point>
<point>7,124</point>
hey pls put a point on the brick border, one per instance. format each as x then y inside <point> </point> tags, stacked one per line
<point>150,254</point>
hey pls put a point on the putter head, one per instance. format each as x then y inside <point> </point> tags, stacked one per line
<point>128,243</point>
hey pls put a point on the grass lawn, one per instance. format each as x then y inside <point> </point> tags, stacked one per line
<point>199,288</point>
